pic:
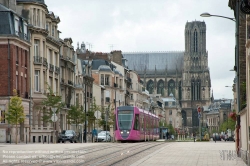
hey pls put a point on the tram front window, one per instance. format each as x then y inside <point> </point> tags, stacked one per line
<point>125,119</point>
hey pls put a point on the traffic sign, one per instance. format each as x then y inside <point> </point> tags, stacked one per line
<point>97,114</point>
<point>54,118</point>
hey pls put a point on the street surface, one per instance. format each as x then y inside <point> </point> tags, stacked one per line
<point>144,153</point>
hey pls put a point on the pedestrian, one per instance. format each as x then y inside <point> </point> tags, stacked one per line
<point>167,134</point>
<point>225,137</point>
<point>214,137</point>
<point>194,135</point>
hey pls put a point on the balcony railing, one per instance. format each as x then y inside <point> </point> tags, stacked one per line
<point>37,60</point>
<point>57,70</point>
<point>51,67</point>
<point>45,63</point>
<point>78,85</point>
<point>62,80</point>
<point>70,82</point>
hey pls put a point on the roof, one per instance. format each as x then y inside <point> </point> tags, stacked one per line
<point>104,68</point>
<point>37,1</point>
<point>4,8</point>
<point>98,62</point>
<point>155,61</point>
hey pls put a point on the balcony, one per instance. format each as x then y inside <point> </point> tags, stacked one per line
<point>57,70</point>
<point>38,60</point>
<point>62,81</point>
<point>45,63</point>
<point>78,86</point>
<point>51,67</point>
<point>70,82</point>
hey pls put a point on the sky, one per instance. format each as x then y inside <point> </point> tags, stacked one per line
<point>147,25</point>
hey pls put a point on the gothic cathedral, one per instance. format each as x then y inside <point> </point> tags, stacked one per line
<point>185,75</point>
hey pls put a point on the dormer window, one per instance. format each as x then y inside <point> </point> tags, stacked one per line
<point>16,25</point>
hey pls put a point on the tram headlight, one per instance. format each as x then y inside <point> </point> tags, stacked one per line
<point>121,132</point>
<point>127,132</point>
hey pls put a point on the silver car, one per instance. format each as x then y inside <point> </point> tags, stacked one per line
<point>102,137</point>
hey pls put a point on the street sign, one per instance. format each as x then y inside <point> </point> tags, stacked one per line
<point>53,109</point>
<point>98,114</point>
<point>54,118</point>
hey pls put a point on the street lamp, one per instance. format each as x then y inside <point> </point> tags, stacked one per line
<point>237,63</point>
<point>209,15</point>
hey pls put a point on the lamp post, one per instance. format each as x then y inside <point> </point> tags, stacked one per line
<point>237,63</point>
<point>85,111</point>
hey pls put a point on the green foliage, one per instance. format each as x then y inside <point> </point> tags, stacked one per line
<point>52,100</point>
<point>110,117</point>
<point>230,124</point>
<point>76,115</point>
<point>91,113</point>
<point>15,114</point>
<point>170,129</point>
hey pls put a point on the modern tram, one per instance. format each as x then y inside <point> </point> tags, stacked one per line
<point>135,124</point>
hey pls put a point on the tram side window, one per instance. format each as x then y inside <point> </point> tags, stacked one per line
<point>136,123</point>
<point>142,124</point>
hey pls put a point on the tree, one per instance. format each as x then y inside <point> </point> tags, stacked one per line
<point>228,124</point>
<point>76,115</point>
<point>92,110</point>
<point>109,112</point>
<point>15,115</point>
<point>52,101</point>
<point>170,129</point>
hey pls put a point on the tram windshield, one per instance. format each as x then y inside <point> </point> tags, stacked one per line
<point>125,118</point>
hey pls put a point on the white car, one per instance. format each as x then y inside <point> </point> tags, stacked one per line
<point>102,137</point>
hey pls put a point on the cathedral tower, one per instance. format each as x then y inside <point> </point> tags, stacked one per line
<point>196,77</point>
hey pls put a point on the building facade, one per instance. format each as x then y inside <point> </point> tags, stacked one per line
<point>184,74</point>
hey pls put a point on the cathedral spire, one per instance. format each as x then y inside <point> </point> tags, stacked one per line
<point>212,98</point>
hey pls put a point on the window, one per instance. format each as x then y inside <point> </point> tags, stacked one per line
<point>166,103</point>
<point>16,25</point>
<point>77,98</point>
<point>36,47</point>
<point>38,17</point>
<point>37,81</point>
<point>136,123</point>
<point>50,82</point>
<point>102,79</point>
<point>173,103</point>
<point>47,26</point>
<point>131,97</point>
<point>25,31</point>
<point>107,80</point>
<point>56,86</point>
<point>53,30</point>
<point>17,55</point>
<point>2,118</point>
<point>170,112</point>
<point>16,82</point>
<point>34,16</point>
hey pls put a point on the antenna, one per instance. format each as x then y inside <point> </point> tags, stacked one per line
<point>111,46</point>
<point>90,45</point>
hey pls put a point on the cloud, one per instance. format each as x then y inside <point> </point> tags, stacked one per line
<point>146,25</point>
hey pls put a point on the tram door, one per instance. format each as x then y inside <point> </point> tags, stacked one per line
<point>163,131</point>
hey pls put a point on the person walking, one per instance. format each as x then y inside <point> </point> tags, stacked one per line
<point>214,137</point>
<point>194,135</point>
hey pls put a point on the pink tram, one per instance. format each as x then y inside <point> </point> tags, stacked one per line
<point>135,124</point>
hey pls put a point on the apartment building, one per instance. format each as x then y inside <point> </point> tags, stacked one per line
<point>44,58</point>
<point>14,61</point>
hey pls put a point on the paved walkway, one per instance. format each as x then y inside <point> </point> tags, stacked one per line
<point>193,154</point>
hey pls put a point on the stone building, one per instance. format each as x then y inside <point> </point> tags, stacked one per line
<point>184,74</point>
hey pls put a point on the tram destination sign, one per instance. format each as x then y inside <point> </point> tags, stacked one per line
<point>125,112</point>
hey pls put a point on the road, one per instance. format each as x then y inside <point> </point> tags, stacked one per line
<point>144,153</point>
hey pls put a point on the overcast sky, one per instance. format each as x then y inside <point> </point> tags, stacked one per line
<point>147,25</point>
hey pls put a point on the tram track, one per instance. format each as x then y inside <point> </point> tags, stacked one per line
<point>119,155</point>
<point>63,156</point>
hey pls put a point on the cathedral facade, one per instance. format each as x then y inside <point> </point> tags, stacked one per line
<point>185,74</point>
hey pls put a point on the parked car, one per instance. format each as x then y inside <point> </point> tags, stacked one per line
<point>103,137</point>
<point>67,135</point>
<point>216,136</point>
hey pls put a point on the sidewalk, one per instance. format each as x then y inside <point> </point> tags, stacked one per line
<point>193,154</point>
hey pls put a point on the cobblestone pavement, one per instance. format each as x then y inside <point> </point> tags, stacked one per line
<point>142,154</point>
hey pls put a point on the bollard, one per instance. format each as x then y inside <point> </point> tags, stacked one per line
<point>10,139</point>
<point>43,139</point>
<point>48,139</point>
<point>26,138</point>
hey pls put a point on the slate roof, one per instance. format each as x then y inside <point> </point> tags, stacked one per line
<point>172,61</point>
<point>38,1</point>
